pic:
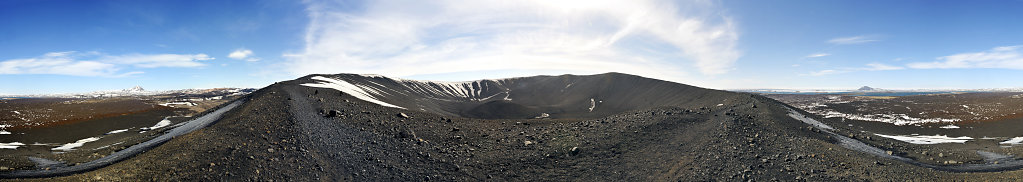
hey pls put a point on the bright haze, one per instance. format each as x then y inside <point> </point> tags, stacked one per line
<point>81,46</point>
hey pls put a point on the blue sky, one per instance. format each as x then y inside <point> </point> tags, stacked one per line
<point>80,46</point>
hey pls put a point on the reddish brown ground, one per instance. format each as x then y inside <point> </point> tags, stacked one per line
<point>49,112</point>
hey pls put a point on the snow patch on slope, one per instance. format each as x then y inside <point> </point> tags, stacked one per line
<point>949,127</point>
<point>348,88</point>
<point>2,131</point>
<point>116,131</point>
<point>1013,141</point>
<point>12,145</point>
<point>76,144</point>
<point>593,104</point>
<point>372,90</point>
<point>161,124</point>
<point>925,139</point>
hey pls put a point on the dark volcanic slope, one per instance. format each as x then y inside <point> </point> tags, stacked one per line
<point>281,133</point>
<point>565,96</point>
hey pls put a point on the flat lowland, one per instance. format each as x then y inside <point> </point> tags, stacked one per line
<point>70,131</point>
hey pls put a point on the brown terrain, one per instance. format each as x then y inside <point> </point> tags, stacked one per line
<point>43,125</point>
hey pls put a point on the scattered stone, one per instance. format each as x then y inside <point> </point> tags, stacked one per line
<point>405,134</point>
<point>575,150</point>
<point>271,150</point>
<point>889,152</point>
<point>527,142</point>
<point>403,115</point>
<point>333,113</point>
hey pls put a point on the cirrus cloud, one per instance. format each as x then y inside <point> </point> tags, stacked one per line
<point>853,40</point>
<point>98,64</point>
<point>403,38</point>
<point>868,67</point>
<point>817,55</point>
<point>1007,57</point>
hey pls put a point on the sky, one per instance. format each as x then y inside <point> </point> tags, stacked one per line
<point>67,46</point>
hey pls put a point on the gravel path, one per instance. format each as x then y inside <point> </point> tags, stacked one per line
<point>334,144</point>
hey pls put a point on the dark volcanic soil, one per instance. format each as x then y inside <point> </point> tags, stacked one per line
<point>282,133</point>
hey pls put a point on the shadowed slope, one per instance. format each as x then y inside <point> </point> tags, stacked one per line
<point>565,96</point>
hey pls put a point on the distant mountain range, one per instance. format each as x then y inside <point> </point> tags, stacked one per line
<point>134,91</point>
<point>873,89</point>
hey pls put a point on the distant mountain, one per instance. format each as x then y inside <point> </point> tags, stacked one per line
<point>868,89</point>
<point>134,89</point>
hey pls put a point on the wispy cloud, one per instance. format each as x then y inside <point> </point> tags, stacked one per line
<point>817,55</point>
<point>1007,57</point>
<point>242,54</point>
<point>404,38</point>
<point>868,67</point>
<point>853,40</point>
<point>97,64</point>
<point>881,67</point>
<point>826,72</point>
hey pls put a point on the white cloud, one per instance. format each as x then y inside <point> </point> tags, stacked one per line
<point>826,72</point>
<point>881,67</point>
<point>817,55</point>
<point>1007,57</point>
<point>97,64</point>
<point>405,38</point>
<point>853,40</point>
<point>158,60</point>
<point>242,54</point>
<point>869,67</point>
